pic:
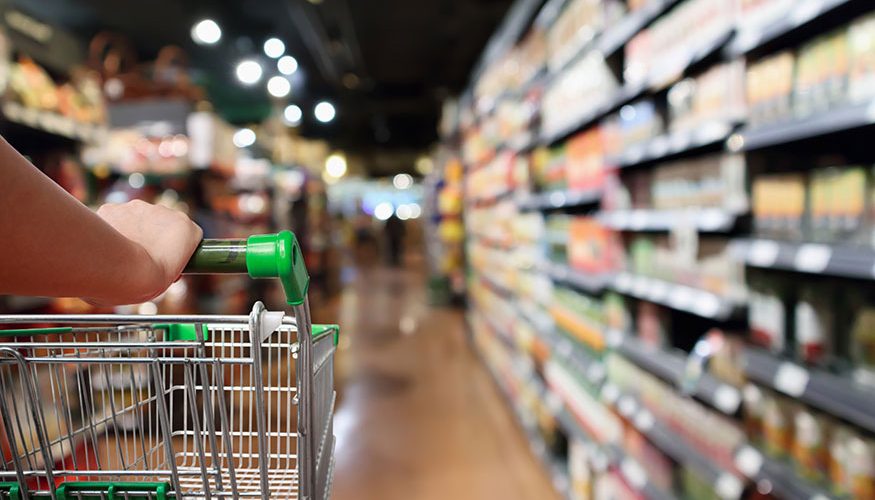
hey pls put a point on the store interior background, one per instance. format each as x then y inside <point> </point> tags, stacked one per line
<point>577,248</point>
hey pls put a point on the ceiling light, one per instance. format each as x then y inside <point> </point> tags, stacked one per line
<point>403,212</point>
<point>279,86</point>
<point>248,72</point>
<point>335,165</point>
<point>325,112</point>
<point>424,165</point>
<point>287,65</point>
<point>244,138</point>
<point>206,32</point>
<point>415,210</point>
<point>293,114</point>
<point>274,47</point>
<point>383,210</point>
<point>402,181</point>
<point>136,180</point>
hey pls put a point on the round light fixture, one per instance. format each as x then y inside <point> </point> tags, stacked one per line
<point>402,181</point>
<point>324,112</point>
<point>206,32</point>
<point>335,165</point>
<point>274,47</point>
<point>279,86</point>
<point>287,65</point>
<point>248,72</point>
<point>383,210</point>
<point>293,114</point>
<point>244,138</point>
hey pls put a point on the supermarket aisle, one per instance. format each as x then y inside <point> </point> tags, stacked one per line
<point>419,416</point>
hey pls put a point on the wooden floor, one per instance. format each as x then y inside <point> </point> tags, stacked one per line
<point>418,416</point>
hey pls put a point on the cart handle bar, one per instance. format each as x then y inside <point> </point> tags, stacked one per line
<point>261,256</point>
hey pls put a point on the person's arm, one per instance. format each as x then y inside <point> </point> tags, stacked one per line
<point>52,245</point>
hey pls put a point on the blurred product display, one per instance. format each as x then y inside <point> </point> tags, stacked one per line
<point>669,237</point>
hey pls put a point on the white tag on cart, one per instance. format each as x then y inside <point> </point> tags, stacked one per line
<point>270,322</point>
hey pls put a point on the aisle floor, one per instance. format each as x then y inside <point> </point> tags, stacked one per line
<point>419,416</point>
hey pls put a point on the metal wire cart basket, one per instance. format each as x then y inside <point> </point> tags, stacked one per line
<point>118,407</point>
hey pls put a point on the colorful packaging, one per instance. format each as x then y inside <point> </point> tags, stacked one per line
<point>779,202</point>
<point>814,331</point>
<point>861,41</point>
<point>579,472</point>
<point>811,444</point>
<point>585,160</point>
<point>777,424</point>
<point>754,408</point>
<point>769,88</point>
<point>766,313</point>
<point>653,324</point>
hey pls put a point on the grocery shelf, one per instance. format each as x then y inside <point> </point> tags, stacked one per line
<point>664,78</point>
<point>671,144</point>
<point>680,297</point>
<point>833,394</point>
<point>748,39</point>
<point>816,258</point>
<point>616,37</point>
<point>709,220</point>
<point>51,123</point>
<point>603,457</point>
<point>620,97</point>
<point>839,119</point>
<point>587,282</point>
<point>671,367</point>
<point>726,484</point>
<point>560,198</point>
<point>783,479</point>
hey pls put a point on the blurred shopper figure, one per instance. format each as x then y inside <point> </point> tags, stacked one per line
<point>365,240</point>
<point>394,232</point>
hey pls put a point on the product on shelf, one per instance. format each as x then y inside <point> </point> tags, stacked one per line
<point>617,315</point>
<point>861,39</point>
<point>779,203</point>
<point>755,14</point>
<point>769,85</point>
<point>632,126</point>
<point>660,53</point>
<point>577,91</point>
<point>861,336</point>
<point>579,472</point>
<point>708,181</point>
<point>814,336</point>
<point>821,74</point>
<point>811,444</point>
<point>592,248</point>
<point>838,202</point>
<point>654,324</point>
<point>576,26</point>
<point>715,97</point>
<point>585,160</point>
<point>548,167</point>
<point>778,424</point>
<point>766,312</point>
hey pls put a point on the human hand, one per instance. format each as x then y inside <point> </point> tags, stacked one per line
<point>163,241</point>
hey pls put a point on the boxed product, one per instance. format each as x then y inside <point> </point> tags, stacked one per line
<point>778,414</point>
<point>779,204</point>
<point>617,315</point>
<point>576,26</point>
<point>716,96</point>
<point>861,40</point>
<point>859,349</point>
<point>585,160</point>
<point>579,472</point>
<point>577,91</point>
<point>821,74</point>
<point>636,123</point>
<point>769,88</point>
<point>592,247</point>
<point>654,324</point>
<point>852,463</point>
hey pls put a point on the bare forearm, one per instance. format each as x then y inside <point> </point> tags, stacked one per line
<point>53,245</point>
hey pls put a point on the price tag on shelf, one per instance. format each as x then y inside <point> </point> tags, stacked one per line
<point>610,393</point>
<point>806,11</point>
<point>791,379</point>
<point>639,287</point>
<point>644,421</point>
<point>623,282</point>
<point>749,461</point>
<point>595,373</point>
<point>627,406</point>
<point>638,220</point>
<point>681,297</point>
<point>763,253</point>
<point>614,338</point>
<point>728,487</point>
<point>680,141</point>
<point>659,146</point>
<point>727,399</point>
<point>812,258</point>
<point>706,304</point>
<point>634,473</point>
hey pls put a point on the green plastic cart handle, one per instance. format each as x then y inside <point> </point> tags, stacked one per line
<point>12,491</point>
<point>261,256</point>
<point>111,490</point>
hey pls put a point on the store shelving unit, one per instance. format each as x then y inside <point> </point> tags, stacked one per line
<point>815,258</point>
<point>849,117</point>
<point>830,393</point>
<point>695,303</point>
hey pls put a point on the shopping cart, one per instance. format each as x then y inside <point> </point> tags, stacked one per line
<point>124,407</point>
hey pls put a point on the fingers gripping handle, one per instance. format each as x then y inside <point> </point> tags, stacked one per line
<point>261,256</point>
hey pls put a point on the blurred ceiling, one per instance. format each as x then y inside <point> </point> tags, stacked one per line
<point>386,64</point>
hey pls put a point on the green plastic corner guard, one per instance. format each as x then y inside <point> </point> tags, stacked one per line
<point>279,256</point>
<point>319,330</point>
<point>25,332</point>
<point>110,490</point>
<point>12,491</point>
<point>182,331</point>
